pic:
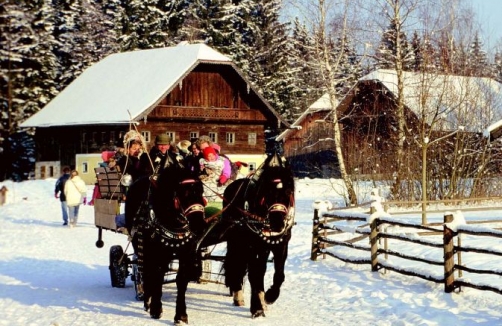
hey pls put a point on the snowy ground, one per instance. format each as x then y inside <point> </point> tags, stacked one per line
<point>53,275</point>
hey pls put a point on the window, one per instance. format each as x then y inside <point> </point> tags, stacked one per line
<point>146,136</point>
<point>213,136</point>
<point>85,167</point>
<point>230,138</point>
<point>252,166</point>
<point>112,137</point>
<point>84,136</point>
<point>194,135</point>
<point>171,135</point>
<point>252,138</point>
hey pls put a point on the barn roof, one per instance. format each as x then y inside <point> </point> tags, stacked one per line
<point>125,86</point>
<point>472,102</point>
<point>322,104</point>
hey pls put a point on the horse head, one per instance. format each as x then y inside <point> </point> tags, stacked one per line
<point>170,204</point>
<point>270,200</point>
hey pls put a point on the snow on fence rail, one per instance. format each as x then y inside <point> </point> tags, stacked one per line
<point>425,251</point>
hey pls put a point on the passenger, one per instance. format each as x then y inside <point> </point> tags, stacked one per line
<point>156,159</point>
<point>227,167</point>
<point>192,160</point>
<point>212,167</point>
<point>205,141</point>
<point>183,148</point>
<point>129,164</point>
<point>106,156</point>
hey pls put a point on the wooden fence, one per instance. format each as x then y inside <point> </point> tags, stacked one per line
<point>440,244</point>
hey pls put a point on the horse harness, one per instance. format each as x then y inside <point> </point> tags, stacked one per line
<point>260,225</point>
<point>145,218</point>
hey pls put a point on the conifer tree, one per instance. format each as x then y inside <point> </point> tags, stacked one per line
<point>386,54</point>
<point>497,67</point>
<point>265,51</point>
<point>349,69</point>
<point>27,67</point>
<point>206,21</point>
<point>148,24</point>
<point>477,60</point>
<point>27,64</point>
<point>92,39</point>
<point>308,83</point>
<point>65,29</point>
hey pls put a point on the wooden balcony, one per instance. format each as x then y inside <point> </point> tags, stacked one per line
<point>202,113</point>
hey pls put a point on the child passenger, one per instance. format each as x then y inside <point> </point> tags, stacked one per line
<point>211,166</point>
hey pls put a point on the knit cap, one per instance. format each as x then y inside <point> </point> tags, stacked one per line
<point>207,151</point>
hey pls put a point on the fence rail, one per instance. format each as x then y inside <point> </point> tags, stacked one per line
<point>327,231</point>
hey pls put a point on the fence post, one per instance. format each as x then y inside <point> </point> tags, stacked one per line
<point>315,236</point>
<point>449,261</point>
<point>374,245</point>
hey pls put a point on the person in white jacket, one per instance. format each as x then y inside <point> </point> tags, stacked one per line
<point>75,191</point>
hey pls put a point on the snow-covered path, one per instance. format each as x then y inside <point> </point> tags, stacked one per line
<point>52,275</point>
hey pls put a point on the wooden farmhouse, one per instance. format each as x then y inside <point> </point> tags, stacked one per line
<point>366,114</point>
<point>309,143</point>
<point>184,91</point>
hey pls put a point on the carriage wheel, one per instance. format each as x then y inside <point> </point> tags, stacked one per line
<point>138,281</point>
<point>118,267</point>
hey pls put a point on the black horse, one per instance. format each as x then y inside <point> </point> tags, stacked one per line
<point>261,207</point>
<point>165,216</point>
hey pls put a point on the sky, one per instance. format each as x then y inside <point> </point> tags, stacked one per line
<point>54,275</point>
<point>488,12</point>
<point>489,15</point>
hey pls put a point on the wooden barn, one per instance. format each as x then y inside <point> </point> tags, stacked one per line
<point>369,128</point>
<point>309,143</point>
<point>184,91</point>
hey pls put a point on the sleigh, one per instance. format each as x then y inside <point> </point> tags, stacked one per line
<point>107,209</point>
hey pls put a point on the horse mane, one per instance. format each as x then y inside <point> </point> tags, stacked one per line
<point>275,167</point>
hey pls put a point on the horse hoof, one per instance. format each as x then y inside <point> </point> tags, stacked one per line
<point>156,315</point>
<point>272,295</point>
<point>259,313</point>
<point>238,298</point>
<point>180,320</point>
<point>155,311</point>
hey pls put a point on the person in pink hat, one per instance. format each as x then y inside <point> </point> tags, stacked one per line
<point>212,167</point>
<point>204,142</point>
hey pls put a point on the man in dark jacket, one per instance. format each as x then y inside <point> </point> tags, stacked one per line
<point>151,164</point>
<point>59,193</point>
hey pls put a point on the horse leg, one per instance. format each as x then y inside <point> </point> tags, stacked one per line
<point>280,256</point>
<point>257,270</point>
<point>157,280</point>
<point>235,267</point>
<point>182,279</point>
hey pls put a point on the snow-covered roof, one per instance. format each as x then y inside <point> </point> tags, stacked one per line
<point>322,104</point>
<point>123,86</point>
<point>473,102</point>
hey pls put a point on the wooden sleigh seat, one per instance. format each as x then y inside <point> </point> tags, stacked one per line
<point>107,207</point>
